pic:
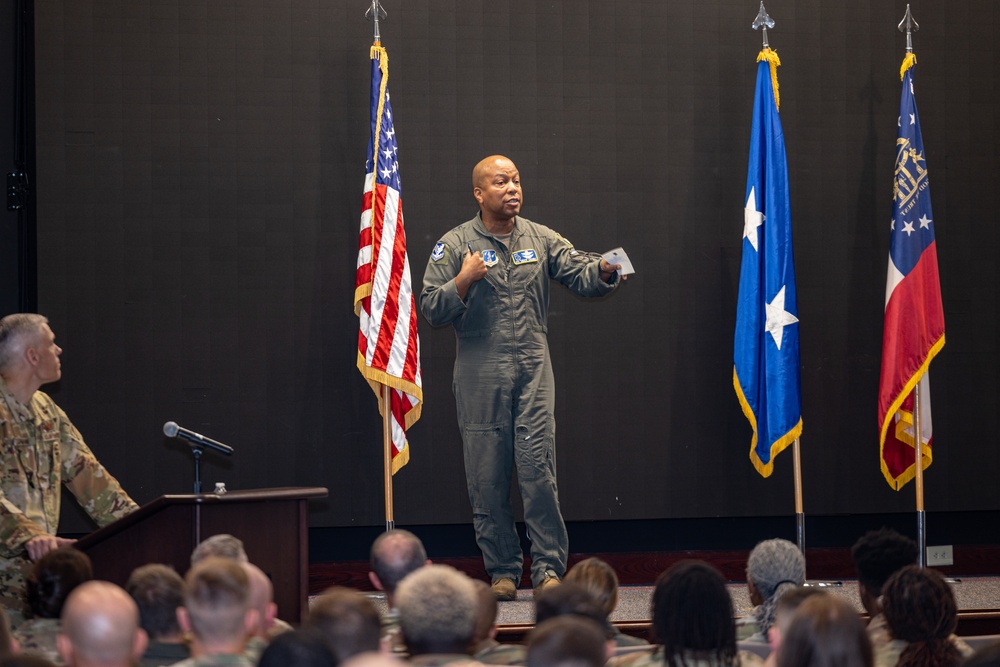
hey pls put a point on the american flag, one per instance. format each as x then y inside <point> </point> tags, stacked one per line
<point>766,346</point>
<point>388,346</point>
<point>914,317</point>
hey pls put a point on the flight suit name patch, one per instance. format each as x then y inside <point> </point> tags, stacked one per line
<point>526,256</point>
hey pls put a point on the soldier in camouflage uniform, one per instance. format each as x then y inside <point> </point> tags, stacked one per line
<point>40,449</point>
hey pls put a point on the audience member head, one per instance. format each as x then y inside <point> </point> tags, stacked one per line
<point>569,599</point>
<point>692,612</point>
<point>877,556</point>
<point>486,613</point>
<point>348,621</point>
<point>158,591</point>
<point>18,332</point>
<point>567,641</point>
<point>220,546</point>
<point>53,577</point>
<point>100,626</point>
<point>8,645</point>
<point>217,606</point>
<point>825,631</point>
<point>773,566</point>
<point>437,610</point>
<point>920,609</point>
<point>783,613</point>
<point>395,554</point>
<point>302,648</point>
<point>599,578</point>
<point>261,598</point>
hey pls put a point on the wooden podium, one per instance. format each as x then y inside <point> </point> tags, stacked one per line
<point>271,522</point>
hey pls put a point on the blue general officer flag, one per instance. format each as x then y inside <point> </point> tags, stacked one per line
<point>766,347</point>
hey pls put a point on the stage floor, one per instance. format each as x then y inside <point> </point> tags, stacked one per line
<point>971,594</point>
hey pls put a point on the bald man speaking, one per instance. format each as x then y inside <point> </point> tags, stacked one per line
<point>489,278</point>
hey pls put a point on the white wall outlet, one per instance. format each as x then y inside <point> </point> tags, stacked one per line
<point>941,555</point>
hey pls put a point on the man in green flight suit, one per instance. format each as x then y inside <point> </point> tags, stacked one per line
<point>40,449</point>
<point>489,278</point>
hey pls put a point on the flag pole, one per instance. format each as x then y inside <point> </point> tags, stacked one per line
<point>908,25</point>
<point>762,22</point>
<point>374,13</point>
<point>800,516</point>
<point>918,480</point>
<point>390,522</point>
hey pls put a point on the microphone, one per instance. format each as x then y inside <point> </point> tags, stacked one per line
<point>172,430</point>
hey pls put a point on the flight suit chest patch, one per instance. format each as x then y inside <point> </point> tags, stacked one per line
<point>490,257</point>
<point>526,256</point>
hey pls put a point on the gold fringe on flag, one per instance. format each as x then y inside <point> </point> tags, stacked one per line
<point>772,58</point>
<point>909,61</point>
<point>764,468</point>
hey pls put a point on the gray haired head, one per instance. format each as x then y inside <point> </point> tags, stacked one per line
<point>18,331</point>
<point>773,562</point>
<point>437,610</point>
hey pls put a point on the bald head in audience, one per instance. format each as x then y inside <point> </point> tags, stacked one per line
<point>100,626</point>
<point>395,554</point>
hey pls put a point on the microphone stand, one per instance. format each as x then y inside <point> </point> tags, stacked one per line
<point>196,451</point>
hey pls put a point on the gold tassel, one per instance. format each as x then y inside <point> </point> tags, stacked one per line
<point>772,58</point>
<point>379,53</point>
<point>909,61</point>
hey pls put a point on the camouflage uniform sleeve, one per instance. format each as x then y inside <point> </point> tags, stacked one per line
<point>15,529</point>
<point>98,493</point>
<point>580,272</point>
<point>439,300</point>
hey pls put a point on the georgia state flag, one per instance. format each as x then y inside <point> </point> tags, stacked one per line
<point>914,317</point>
